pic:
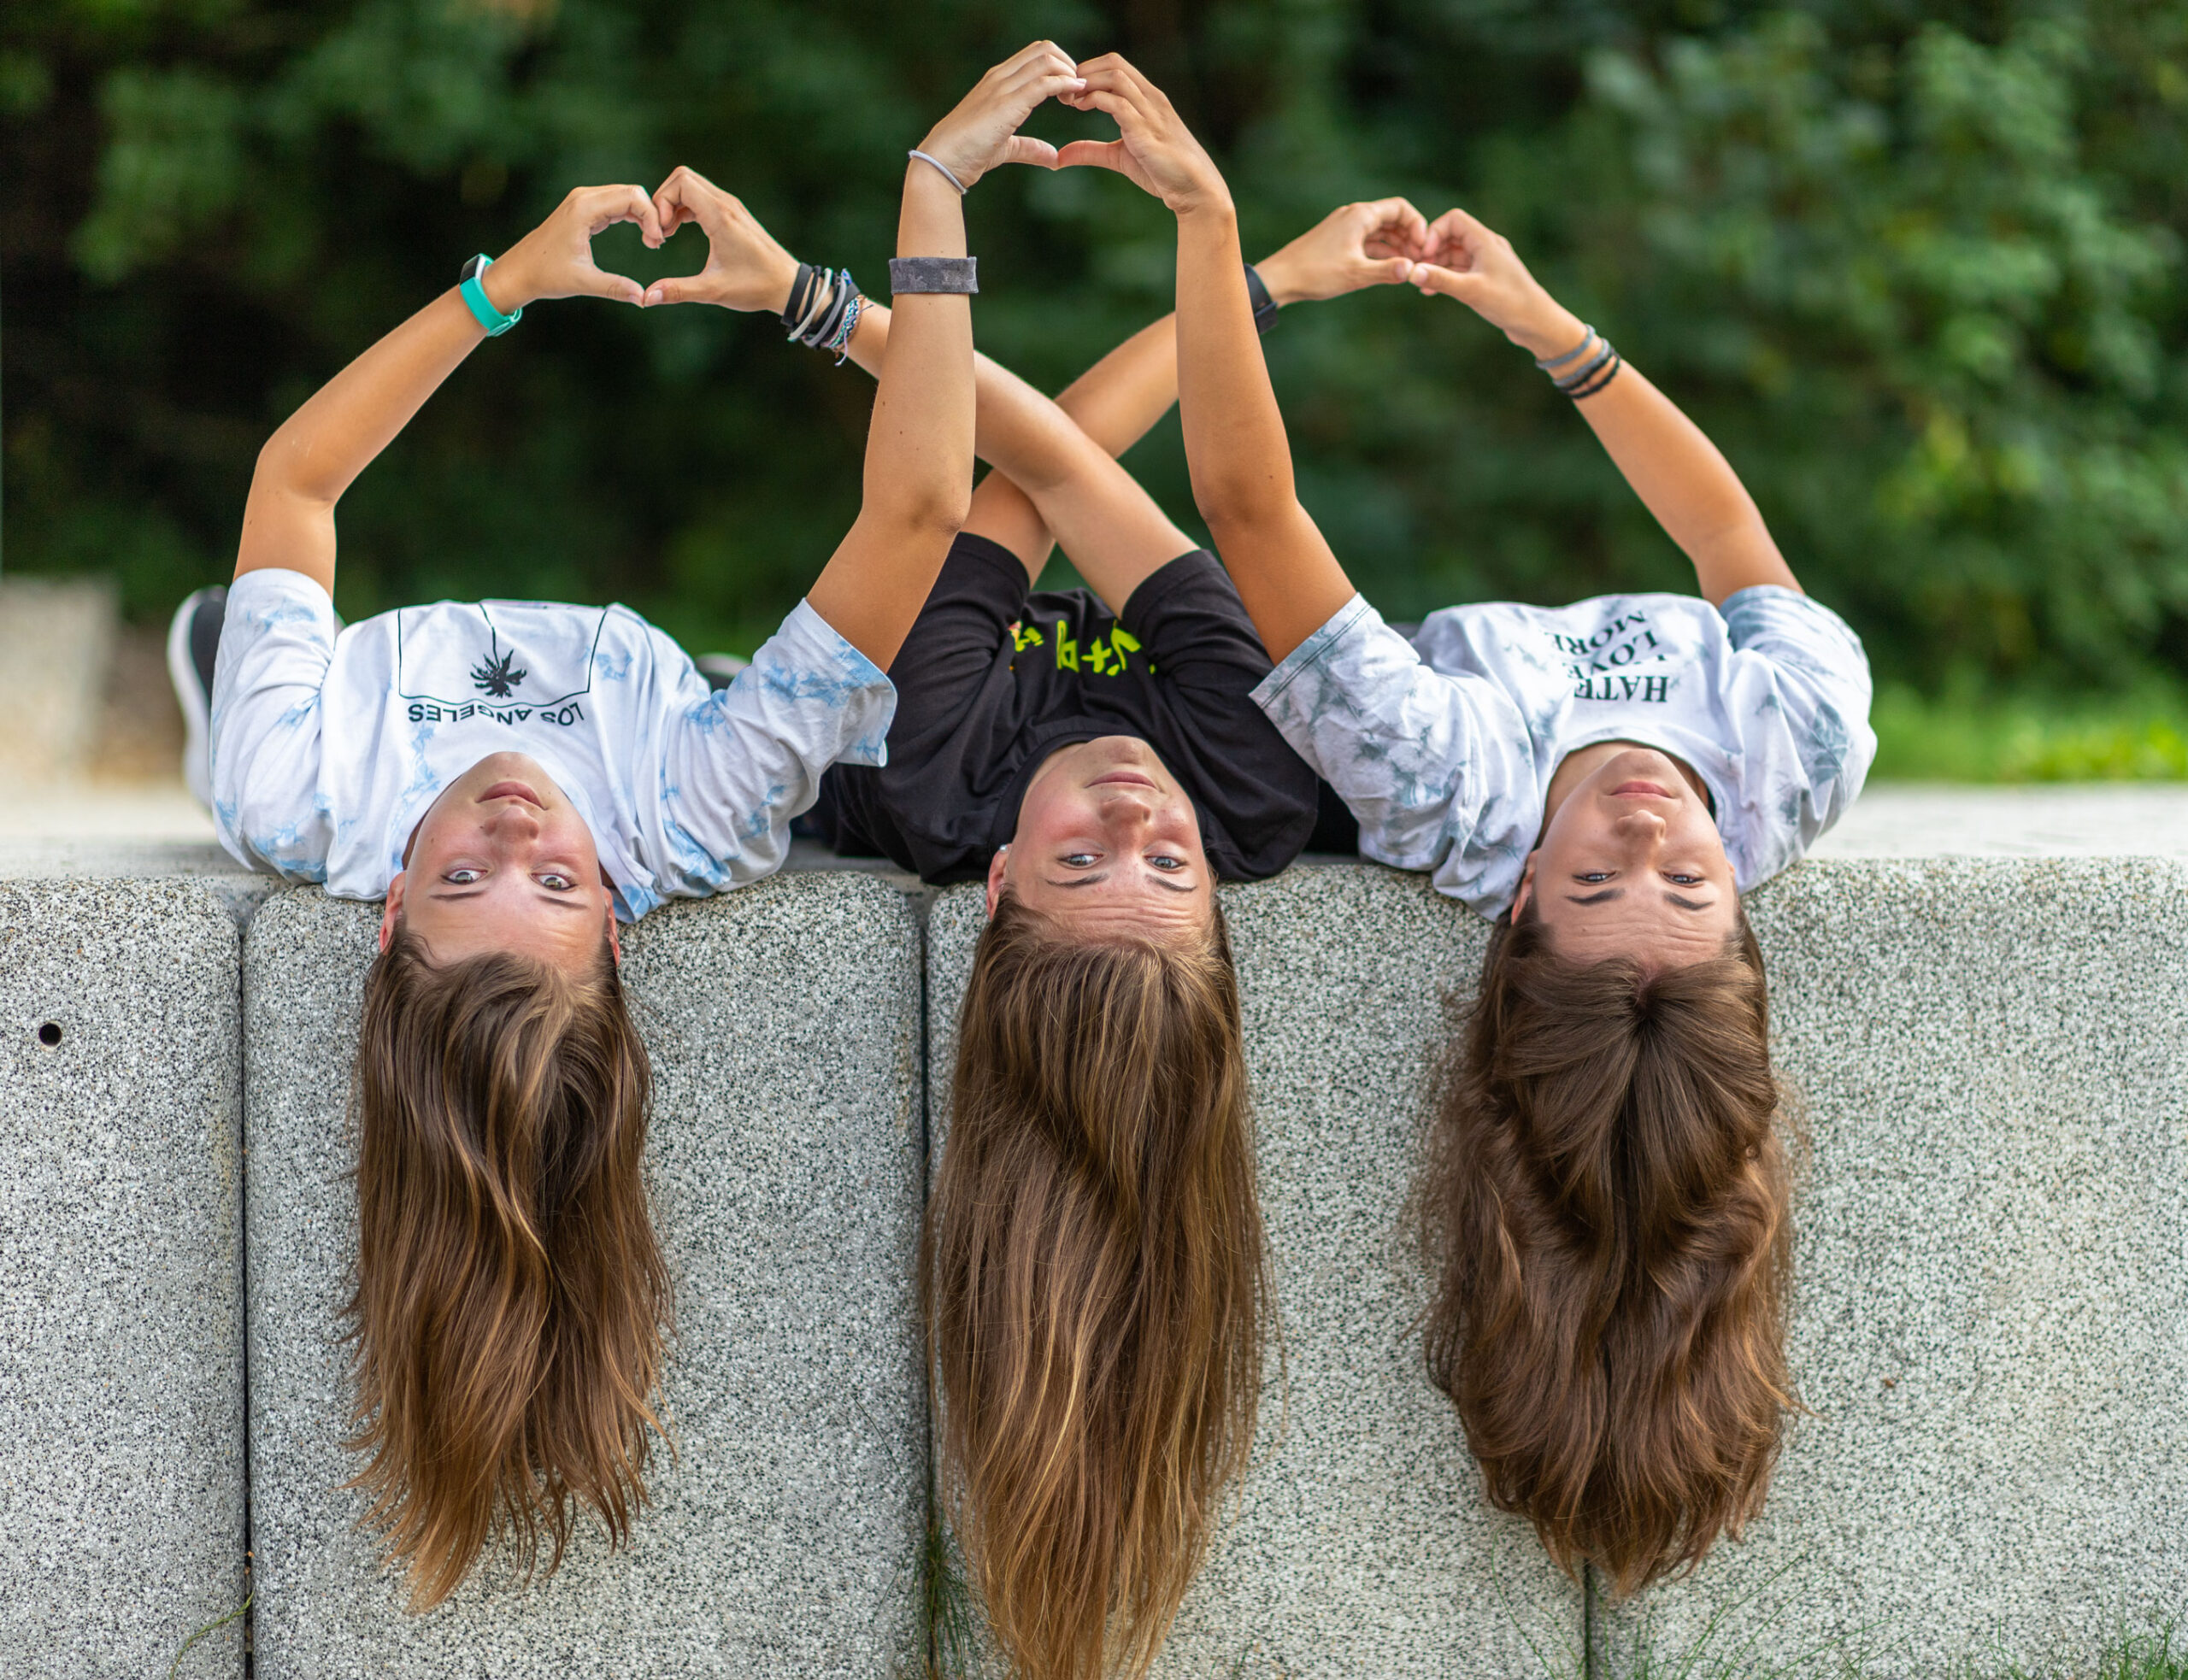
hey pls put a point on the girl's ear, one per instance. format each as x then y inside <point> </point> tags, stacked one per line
<point>1526,885</point>
<point>614,932</point>
<point>393,912</point>
<point>996,865</point>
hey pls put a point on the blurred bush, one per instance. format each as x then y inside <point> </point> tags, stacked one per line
<point>1918,270</point>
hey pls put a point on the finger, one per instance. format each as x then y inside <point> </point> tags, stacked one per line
<point>595,282</point>
<point>1457,225</point>
<point>1128,116</point>
<point>683,290</point>
<point>668,200</point>
<point>1451,282</point>
<point>1049,84</point>
<point>1398,216</point>
<point>612,204</point>
<point>1387,271</point>
<point>1094,155</point>
<point>1023,149</point>
<point>1033,52</point>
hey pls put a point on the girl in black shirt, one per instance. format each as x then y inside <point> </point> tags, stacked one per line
<point>1092,1263</point>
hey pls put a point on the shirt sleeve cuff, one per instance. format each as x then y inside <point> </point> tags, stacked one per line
<point>276,583</point>
<point>815,641</point>
<point>1353,615</point>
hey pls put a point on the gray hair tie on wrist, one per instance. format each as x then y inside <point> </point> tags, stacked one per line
<point>959,275</point>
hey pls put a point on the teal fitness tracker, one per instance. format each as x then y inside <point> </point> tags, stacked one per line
<point>482,307</point>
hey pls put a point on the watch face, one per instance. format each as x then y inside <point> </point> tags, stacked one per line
<point>471,269</point>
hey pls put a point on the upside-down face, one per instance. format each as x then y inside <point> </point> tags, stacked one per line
<point>1108,846</point>
<point>1630,862</point>
<point>503,862</point>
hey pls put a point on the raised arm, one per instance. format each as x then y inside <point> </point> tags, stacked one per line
<point>1116,400</point>
<point>1113,528</point>
<point>1047,484</point>
<point>1677,471</point>
<point>1235,444</point>
<point>288,522</point>
<point>918,448</point>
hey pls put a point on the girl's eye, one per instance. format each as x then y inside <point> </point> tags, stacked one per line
<point>1684,880</point>
<point>555,882</point>
<point>464,877</point>
<point>1078,859</point>
<point>1594,877</point>
<point>1166,863</point>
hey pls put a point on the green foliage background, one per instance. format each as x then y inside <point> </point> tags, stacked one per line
<point>1918,269</point>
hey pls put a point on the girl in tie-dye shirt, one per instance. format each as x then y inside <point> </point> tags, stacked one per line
<point>1606,1191</point>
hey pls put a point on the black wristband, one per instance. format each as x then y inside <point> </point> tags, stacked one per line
<point>801,295</point>
<point>1264,305</point>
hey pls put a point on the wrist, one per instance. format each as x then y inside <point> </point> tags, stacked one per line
<point>507,285</point>
<point>1549,330</point>
<point>781,281</point>
<point>937,146</point>
<point>1283,283</point>
<point>1210,209</point>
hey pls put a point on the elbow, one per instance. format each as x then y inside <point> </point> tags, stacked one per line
<point>1241,502</point>
<point>931,514</point>
<point>285,465</point>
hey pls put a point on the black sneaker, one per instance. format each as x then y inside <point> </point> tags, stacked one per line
<point>193,641</point>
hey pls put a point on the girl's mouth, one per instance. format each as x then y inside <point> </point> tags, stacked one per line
<point>1639,790</point>
<point>510,791</point>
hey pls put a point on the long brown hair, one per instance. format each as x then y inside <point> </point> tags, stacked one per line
<point>507,1321</point>
<point>1606,1201</point>
<point>1095,1285</point>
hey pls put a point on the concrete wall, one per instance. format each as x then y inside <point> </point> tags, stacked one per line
<point>122,1370</point>
<point>1991,1318</point>
<point>785,1157</point>
<point>1362,1543</point>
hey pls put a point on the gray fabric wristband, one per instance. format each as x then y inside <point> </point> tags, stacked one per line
<point>957,275</point>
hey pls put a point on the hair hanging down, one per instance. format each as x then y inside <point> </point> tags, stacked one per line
<point>508,1318</point>
<point>1607,1204</point>
<point>1095,1284</point>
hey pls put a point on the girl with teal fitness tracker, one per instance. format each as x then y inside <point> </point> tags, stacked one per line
<point>514,779</point>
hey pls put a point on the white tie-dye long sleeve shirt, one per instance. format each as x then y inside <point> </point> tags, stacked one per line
<point>330,744</point>
<point>1443,746</point>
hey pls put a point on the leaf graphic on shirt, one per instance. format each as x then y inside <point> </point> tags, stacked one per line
<point>494,677</point>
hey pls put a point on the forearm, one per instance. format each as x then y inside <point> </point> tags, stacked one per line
<point>318,451</point>
<point>919,449</point>
<point>1679,475</point>
<point>1117,401</point>
<point>1236,448</point>
<point>1684,480</point>
<point>321,448</point>
<point>1022,434</point>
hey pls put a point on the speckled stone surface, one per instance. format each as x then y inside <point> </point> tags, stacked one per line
<point>784,1155</point>
<point>1991,1303</point>
<point>121,1369</point>
<point>1361,1544</point>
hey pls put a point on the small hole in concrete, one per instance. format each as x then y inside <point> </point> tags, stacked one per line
<point>49,1034</point>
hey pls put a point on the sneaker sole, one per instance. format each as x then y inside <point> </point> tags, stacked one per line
<point>190,695</point>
